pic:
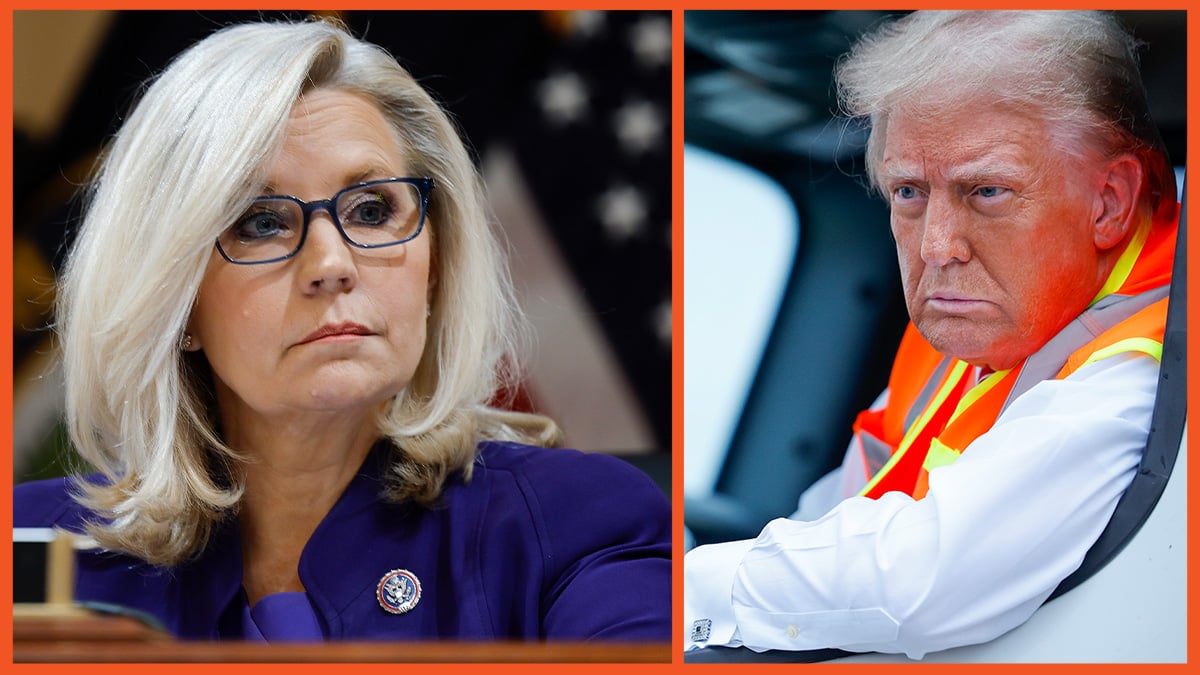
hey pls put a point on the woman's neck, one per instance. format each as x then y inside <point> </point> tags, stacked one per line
<point>296,471</point>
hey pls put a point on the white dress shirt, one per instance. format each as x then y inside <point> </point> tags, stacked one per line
<point>998,530</point>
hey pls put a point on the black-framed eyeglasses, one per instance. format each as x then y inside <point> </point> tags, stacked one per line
<point>369,215</point>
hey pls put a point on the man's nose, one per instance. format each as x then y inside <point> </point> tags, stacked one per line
<point>944,239</point>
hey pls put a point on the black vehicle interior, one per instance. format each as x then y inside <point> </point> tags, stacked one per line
<point>844,281</point>
<point>828,354</point>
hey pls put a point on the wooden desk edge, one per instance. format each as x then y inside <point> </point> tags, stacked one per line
<point>72,651</point>
<point>66,634</point>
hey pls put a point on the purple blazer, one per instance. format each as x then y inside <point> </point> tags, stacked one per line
<point>540,544</point>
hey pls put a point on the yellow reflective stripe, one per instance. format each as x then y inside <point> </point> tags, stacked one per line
<point>1124,265</point>
<point>960,367</point>
<point>927,392</point>
<point>940,454</point>
<point>974,393</point>
<point>1135,344</point>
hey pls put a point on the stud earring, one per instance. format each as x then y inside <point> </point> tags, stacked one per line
<point>187,341</point>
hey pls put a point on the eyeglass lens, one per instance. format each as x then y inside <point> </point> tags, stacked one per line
<point>373,215</point>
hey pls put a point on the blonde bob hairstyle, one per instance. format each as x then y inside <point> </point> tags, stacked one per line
<point>187,161</point>
<point>1077,70</point>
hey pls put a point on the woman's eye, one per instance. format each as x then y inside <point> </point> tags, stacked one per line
<point>369,212</point>
<point>259,225</point>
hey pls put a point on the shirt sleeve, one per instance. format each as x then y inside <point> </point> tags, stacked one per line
<point>997,532</point>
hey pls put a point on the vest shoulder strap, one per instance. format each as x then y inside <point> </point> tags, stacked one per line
<point>1142,332</point>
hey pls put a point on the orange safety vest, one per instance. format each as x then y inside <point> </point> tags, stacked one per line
<point>935,409</point>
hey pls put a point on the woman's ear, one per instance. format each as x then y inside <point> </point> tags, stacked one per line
<point>189,343</point>
<point>1118,201</point>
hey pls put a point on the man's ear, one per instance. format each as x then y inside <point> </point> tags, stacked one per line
<point>1117,204</point>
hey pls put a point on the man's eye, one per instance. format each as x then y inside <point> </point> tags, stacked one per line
<point>988,191</point>
<point>906,192</point>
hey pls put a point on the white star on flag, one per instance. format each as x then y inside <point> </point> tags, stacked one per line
<point>587,22</point>
<point>564,97</point>
<point>662,322</point>
<point>639,126</point>
<point>622,210</point>
<point>651,39</point>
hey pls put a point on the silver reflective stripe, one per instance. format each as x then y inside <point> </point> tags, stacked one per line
<point>927,394</point>
<point>1109,311</point>
<point>875,452</point>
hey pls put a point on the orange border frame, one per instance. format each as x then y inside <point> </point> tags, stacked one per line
<point>678,305</point>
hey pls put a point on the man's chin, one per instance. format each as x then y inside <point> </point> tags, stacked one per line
<point>960,338</point>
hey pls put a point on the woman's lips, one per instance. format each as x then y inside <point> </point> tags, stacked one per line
<point>336,332</point>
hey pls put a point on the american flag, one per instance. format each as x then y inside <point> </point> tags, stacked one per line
<point>568,114</point>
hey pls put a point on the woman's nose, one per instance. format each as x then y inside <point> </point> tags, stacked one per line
<point>325,263</point>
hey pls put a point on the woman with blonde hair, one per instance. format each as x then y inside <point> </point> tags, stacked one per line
<point>282,322</point>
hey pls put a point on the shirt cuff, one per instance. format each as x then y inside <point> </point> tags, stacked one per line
<point>708,573</point>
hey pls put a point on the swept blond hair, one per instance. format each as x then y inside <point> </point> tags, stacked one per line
<point>1076,69</point>
<point>188,160</point>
